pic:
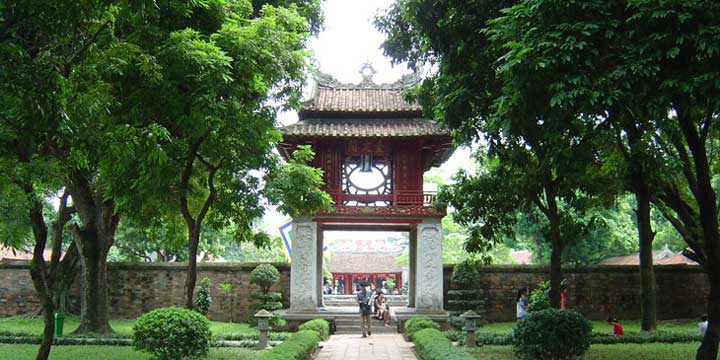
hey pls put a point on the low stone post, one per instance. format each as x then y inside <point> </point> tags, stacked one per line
<point>470,318</point>
<point>263,318</point>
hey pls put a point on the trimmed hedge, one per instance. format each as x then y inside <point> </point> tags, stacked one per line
<point>415,324</point>
<point>320,326</point>
<point>298,346</point>
<point>431,344</point>
<point>551,334</point>
<point>659,336</point>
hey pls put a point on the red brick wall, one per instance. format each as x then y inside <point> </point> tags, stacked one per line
<point>597,291</point>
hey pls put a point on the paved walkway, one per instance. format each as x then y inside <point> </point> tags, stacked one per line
<point>375,347</point>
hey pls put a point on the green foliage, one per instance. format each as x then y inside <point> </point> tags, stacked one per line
<point>431,344</point>
<point>298,346</point>
<point>172,333</point>
<point>466,273</point>
<point>540,297</point>
<point>265,276</point>
<point>551,334</point>
<point>295,186</point>
<point>390,282</point>
<point>417,323</point>
<point>320,326</point>
<point>203,300</point>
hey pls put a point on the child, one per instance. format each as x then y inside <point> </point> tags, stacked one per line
<point>617,327</point>
<point>522,303</point>
<point>563,296</point>
<point>703,324</point>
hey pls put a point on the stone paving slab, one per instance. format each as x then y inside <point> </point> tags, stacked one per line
<point>375,347</point>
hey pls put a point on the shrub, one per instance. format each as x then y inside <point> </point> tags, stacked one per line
<point>466,272</point>
<point>202,298</point>
<point>298,346</point>
<point>431,344</point>
<point>540,297</point>
<point>416,324</point>
<point>551,334</point>
<point>264,276</point>
<point>172,333</point>
<point>320,326</point>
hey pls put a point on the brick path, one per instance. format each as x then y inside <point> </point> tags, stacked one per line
<point>375,347</point>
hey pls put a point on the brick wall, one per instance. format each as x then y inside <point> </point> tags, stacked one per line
<point>595,291</point>
<point>136,288</point>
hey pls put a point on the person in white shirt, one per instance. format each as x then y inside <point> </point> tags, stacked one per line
<point>703,324</point>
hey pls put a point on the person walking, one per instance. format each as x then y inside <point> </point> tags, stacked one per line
<point>364,299</point>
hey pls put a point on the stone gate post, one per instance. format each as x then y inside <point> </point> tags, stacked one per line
<point>303,265</point>
<point>429,269</point>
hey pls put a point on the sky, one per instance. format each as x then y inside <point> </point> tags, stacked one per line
<point>349,40</point>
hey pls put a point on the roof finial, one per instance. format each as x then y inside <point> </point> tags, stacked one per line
<point>367,72</point>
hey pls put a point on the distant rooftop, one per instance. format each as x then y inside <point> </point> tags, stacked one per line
<point>660,257</point>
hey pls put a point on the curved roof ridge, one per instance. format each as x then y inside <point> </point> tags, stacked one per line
<point>328,81</point>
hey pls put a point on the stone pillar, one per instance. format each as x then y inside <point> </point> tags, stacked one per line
<point>412,265</point>
<point>303,265</point>
<point>429,274</point>
<point>319,266</point>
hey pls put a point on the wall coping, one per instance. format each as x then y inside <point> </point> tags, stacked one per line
<point>202,266</point>
<point>174,266</point>
<point>582,269</point>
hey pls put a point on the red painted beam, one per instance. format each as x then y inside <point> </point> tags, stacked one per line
<point>367,221</point>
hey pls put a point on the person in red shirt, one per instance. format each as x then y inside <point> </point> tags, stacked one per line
<point>563,296</point>
<point>617,327</point>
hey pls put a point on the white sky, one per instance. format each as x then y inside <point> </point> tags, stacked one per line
<point>348,40</point>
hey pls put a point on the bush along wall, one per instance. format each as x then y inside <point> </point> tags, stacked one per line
<point>431,344</point>
<point>300,345</point>
<point>265,276</point>
<point>464,298</point>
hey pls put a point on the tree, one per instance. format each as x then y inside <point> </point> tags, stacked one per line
<point>23,213</point>
<point>58,110</point>
<point>218,65</point>
<point>651,70</point>
<point>534,154</point>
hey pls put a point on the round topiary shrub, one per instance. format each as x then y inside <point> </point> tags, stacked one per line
<point>172,333</point>
<point>551,334</point>
<point>265,276</point>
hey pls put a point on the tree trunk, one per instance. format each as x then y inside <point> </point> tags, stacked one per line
<point>648,303</point>
<point>707,204</point>
<point>193,242</point>
<point>553,215</point>
<point>94,304</point>
<point>93,242</point>
<point>709,347</point>
<point>40,281</point>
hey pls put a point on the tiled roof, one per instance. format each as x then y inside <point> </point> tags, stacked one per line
<point>402,127</point>
<point>359,100</point>
<point>333,96</point>
<point>363,263</point>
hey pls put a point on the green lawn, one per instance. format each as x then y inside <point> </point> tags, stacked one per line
<point>601,326</point>
<point>23,352</point>
<point>23,325</point>
<point>607,352</point>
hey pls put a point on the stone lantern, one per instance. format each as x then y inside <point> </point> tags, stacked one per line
<point>263,318</point>
<point>470,318</point>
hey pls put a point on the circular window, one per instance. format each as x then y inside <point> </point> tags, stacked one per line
<point>369,180</point>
